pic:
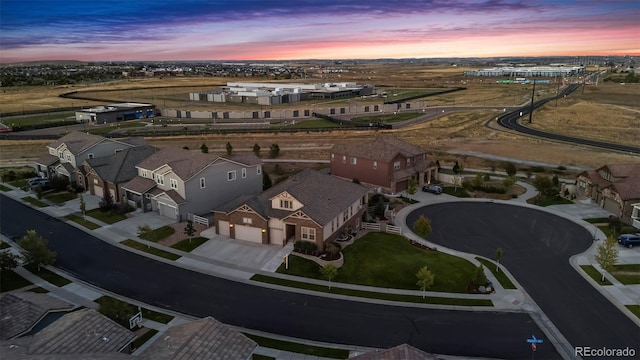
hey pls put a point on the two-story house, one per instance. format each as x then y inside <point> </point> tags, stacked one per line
<point>68,152</point>
<point>177,182</point>
<point>614,187</point>
<point>309,206</point>
<point>107,174</point>
<point>384,162</point>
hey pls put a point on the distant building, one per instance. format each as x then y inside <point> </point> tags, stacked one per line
<point>531,71</point>
<point>115,113</point>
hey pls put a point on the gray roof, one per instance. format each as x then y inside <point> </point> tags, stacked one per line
<point>47,159</point>
<point>245,159</point>
<point>184,163</point>
<point>201,339</point>
<point>382,148</point>
<point>21,311</point>
<point>121,166</point>
<point>79,332</point>
<point>139,185</point>
<point>18,349</point>
<point>78,142</point>
<point>324,197</point>
<point>400,352</point>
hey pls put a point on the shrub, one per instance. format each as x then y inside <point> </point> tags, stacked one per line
<point>537,169</point>
<point>628,230</point>
<point>59,183</point>
<point>487,177</point>
<point>9,176</point>
<point>305,247</point>
<point>143,229</point>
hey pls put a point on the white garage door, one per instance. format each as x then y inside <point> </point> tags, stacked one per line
<point>249,233</point>
<point>167,210</point>
<point>98,191</point>
<point>223,228</point>
<point>276,236</point>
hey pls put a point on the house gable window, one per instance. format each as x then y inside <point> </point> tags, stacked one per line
<point>308,233</point>
<point>231,175</point>
<point>68,157</point>
<point>160,179</point>
<point>202,183</point>
<point>286,204</point>
<point>247,221</point>
<point>90,155</point>
<point>354,160</point>
<point>144,173</point>
<point>244,173</point>
<point>396,165</point>
<point>173,183</point>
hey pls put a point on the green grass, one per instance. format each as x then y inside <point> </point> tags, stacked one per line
<point>597,220</point>
<point>390,261</point>
<point>158,234</point>
<point>299,348</point>
<point>5,188</point>
<point>38,290</point>
<point>595,274</point>
<point>156,316</point>
<point>151,250</point>
<point>140,340</point>
<point>459,191</point>
<point>33,201</point>
<point>39,119</point>
<point>503,279</point>
<point>48,276</point>
<point>10,280</point>
<point>4,245</point>
<point>20,184</point>
<point>635,309</point>
<point>631,275</point>
<point>187,246</point>
<point>371,294</point>
<point>261,357</point>
<point>123,125</point>
<point>60,197</point>
<point>548,201</point>
<point>86,223</point>
<point>109,217</point>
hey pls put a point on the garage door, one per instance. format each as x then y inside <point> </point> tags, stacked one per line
<point>223,228</point>
<point>249,233</point>
<point>611,206</point>
<point>167,210</point>
<point>402,186</point>
<point>276,236</point>
<point>97,190</point>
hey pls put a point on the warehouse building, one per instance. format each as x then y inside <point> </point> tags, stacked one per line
<point>115,113</point>
<point>532,71</point>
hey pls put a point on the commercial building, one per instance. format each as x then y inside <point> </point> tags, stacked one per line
<point>529,71</point>
<point>115,113</point>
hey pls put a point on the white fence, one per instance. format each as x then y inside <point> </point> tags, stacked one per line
<point>386,228</point>
<point>371,226</point>
<point>393,229</point>
<point>199,219</point>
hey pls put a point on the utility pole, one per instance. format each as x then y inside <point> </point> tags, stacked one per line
<point>533,93</point>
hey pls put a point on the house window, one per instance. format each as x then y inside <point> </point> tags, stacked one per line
<point>90,155</point>
<point>160,179</point>
<point>286,204</point>
<point>408,161</point>
<point>247,221</point>
<point>68,157</point>
<point>52,151</point>
<point>333,156</point>
<point>396,165</point>
<point>308,233</point>
<point>354,160</point>
<point>60,154</point>
<point>375,165</point>
<point>231,175</point>
<point>244,173</point>
<point>344,159</point>
<point>345,216</point>
<point>144,173</point>
<point>259,169</point>
<point>173,183</point>
<point>202,183</point>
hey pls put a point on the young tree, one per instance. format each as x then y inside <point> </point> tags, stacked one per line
<point>106,203</point>
<point>477,181</point>
<point>204,148</point>
<point>229,148</point>
<point>329,272</point>
<point>35,250</point>
<point>256,149</point>
<point>412,186</point>
<point>510,168</point>
<point>189,230</point>
<point>83,205</point>
<point>422,226</point>
<point>498,256</point>
<point>479,278</point>
<point>266,181</point>
<point>456,168</point>
<point>274,150</point>
<point>607,255</point>
<point>8,260</point>
<point>425,279</point>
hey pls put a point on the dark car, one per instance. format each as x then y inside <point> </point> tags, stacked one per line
<point>629,240</point>
<point>43,183</point>
<point>434,189</point>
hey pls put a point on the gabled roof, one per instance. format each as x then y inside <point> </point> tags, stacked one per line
<point>21,311</point>
<point>121,166</point>
<point>323,197</point>
<point>625,179</point>
<point>382,148</point>
<point>244,159</point>
<point>201,339</point>
<point>184,163</point>
<point>139,185</point>
<point>78,142</point>
<point>47,159</point>
<point>400,352</point>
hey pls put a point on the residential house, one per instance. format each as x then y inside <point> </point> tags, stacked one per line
<point>201,339</point>
<point>66,153</point>
<point>309,206</point>
<point>614,187</point>
<point>20,312</point>
<point>400,352</point>
<point>384,162</point>
<point>177,182</point>
<point>108,173</point>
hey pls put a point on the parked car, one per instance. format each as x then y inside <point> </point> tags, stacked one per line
<point>37,180</point>
<point>629,240</point>
<point>434,189</point>
<point>42,182</point>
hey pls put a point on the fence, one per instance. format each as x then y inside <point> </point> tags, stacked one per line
<point>393,229</point>
<point>371,226</point>
<point>388,228</point>
<point>199,219</point>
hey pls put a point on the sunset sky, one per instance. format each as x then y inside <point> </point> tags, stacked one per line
<point>112,30</point>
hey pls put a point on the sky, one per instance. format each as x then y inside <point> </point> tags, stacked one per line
<point>166,30</point>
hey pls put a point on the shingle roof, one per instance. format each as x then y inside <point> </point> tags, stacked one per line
<point>400,352</point>
<point>139,185</point>
<point>82,331</point>
<point>246,159</point>
<point>184,163</point>
<point>201,339</point>
<point>382,148</point>
<point>47,159</point>
<point>625,179</point>
<point>77,141</point>
<point>18,349</point>
<point>121,166</point>
<point>19,312</point>
<point>324,196</point>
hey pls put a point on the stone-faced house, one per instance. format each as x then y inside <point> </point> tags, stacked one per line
<point>176,182</point>
<point>309,206</point>
<point>614,187</point>
<point>384,162</point>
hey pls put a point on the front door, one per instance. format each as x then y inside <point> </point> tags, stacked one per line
<point>290,232</point>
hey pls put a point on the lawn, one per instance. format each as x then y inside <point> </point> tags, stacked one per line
<point>48,276</point>
<point>635,309</point>
<point>459,191</point>
<point>595,274</point>
<point>60,197</point>
<point>33,201</point>
<point>548,201</point>
<point>628,274</point>
<point>187,245</point>
<point>151,250</point>
<point>299,348</point>
<point>597,220</point>
<point>390,261</point>
<point>133,309</point>
<point>80,220</point>
<point>503,279</point>
<point>4,188</point>
<point>109,217</point>
<point>156,316</point>
<point>10,280</point>
<point>158,234</point>
<point>123,125</point>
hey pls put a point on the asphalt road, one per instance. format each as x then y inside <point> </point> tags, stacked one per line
<point>482,334</point>
<point>536,250</point>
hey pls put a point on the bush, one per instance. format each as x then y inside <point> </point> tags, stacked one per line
<point>537,169</point>
<point>305,247</point>
<point>628,230</point>
<point>332,249</point>
<point>487,177</point>
<point>59,183</point>
<point>9,176</point>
